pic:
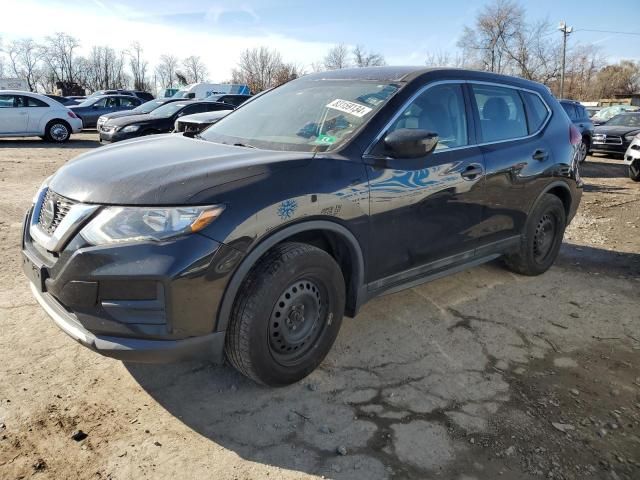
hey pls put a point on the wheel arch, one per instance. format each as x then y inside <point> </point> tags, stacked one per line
<point>327,235</point>
<point>561,190</point>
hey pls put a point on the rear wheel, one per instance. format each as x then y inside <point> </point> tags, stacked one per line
<point>287,315</point>
<point>57,131</point>
<point>542,239</point>
<point>634,171</point>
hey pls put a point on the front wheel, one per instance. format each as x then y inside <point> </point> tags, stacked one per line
<point>540,244</point>
<point>287,315</point>
<point>583,150</point>
<point>57,131</point>
<point>634,171</point>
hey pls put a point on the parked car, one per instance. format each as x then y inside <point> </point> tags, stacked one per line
<point>297,208</point>
<point>63,100</point>
<point>203,90</point>
<point>144,96</point>
<point>192,125</point>
<point>232,99</point>
<point>632,159</point>
<point>591,111</point>
<point>94,107</point>
<point>615,136</point>
<point>580,118</point>
<point>160,120</point>
<point>607,113</point>
<point>146,107</point>
<point>25,114</point>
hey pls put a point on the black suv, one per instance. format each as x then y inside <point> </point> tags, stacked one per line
<point>255,238</point>
<point>579,115</point>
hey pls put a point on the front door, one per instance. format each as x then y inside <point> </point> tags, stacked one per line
<point>14,115</point>
<point>424,212</point>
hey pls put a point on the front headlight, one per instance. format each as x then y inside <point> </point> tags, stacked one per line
<point>629,137</point>
<point>131,128</point>
<point>137,224</point>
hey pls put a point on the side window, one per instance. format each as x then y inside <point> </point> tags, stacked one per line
<point>34,102</point>
<point>101,103</point>
<point>570,109</point>
<point>20,101</point>
<point>6,101</point>
<point>188,110</point>
<point>537,112</point>
<point>213,107</point>
<point>112,102</point>
<point>128,102</point>
<point>440,110</point>
<point>501,113</point>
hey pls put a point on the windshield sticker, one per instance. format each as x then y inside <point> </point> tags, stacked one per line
<point>325,140</point>
<point>351,108</point>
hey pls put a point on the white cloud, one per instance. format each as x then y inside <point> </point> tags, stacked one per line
<point>118,25</point>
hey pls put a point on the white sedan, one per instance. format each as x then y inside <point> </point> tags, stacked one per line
<point>26,114</point>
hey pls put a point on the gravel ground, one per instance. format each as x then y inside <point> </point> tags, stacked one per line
<point>481,375</point>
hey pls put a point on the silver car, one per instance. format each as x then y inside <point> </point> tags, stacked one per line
<point>632,159</point>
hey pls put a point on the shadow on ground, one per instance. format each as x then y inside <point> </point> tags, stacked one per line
<point>38,143</point>
<point>603,167</point>
<point>409,381</point>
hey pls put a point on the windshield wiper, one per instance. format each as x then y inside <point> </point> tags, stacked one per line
<point>246,145</point>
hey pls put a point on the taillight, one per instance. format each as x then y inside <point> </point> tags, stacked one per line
<point>574,135</point>
<point>71,114</point>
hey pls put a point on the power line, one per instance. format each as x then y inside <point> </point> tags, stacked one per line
<point>606,31</point>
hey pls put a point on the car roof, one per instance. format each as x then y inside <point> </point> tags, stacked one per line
<point>407,74</point>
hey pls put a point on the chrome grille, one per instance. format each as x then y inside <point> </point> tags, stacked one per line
<point>607,139</point>
<point>62,206</point>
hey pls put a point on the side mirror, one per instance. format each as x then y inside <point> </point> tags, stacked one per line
<point>410,143</point>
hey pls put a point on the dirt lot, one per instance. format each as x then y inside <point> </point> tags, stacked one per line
<point>482,375</point>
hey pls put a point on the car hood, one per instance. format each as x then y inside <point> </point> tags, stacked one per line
<point>164,170</point>
<point>123,113</point>
<point>125,120</point>
<point>615,130</point>
<point>205,117</point>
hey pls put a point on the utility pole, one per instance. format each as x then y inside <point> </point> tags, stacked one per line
<point>566,30</point>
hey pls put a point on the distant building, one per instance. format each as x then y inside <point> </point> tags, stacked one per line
<point>621,99</point>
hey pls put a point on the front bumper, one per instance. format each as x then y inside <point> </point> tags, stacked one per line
<point>145,302</point>
<point>633,152</point>
<point>608,148</point>
<point>209,346</point>
<point>116,136</point>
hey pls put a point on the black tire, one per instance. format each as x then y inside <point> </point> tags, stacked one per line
<point>262,342</point>
<point>542,238</point>
<point>583,150</point>
<point>57,131</point>
<point>634,171</point>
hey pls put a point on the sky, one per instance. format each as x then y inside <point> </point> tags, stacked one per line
<point>404,31</point>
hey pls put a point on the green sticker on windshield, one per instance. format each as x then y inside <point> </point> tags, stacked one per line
<point>325,140</point>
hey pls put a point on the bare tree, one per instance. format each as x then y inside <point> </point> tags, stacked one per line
<point>362,58</point>
<point>105,69</point>
<point>194,69</point>
<point>25,59</point>
<point>259,68</point>
<point>495,27</point>
<point>58,52</point>
<point>138,67</point>
<point>337,57</point>
<point>166,70</point>
<point>441,58</point>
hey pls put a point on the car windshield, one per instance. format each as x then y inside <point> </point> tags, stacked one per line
<point>304,115</point>
<point>625,120</point>
<point>167,110</point>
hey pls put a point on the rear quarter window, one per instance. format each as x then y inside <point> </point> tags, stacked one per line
<point>537,112</point>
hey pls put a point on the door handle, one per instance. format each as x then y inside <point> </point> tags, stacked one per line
<point>540,155</point>
<point>472,172</point>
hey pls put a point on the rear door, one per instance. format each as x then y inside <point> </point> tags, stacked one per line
<point>37,113</point>
<point>14,116</point>
<point>516,156</point>
<point>424,212</point>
